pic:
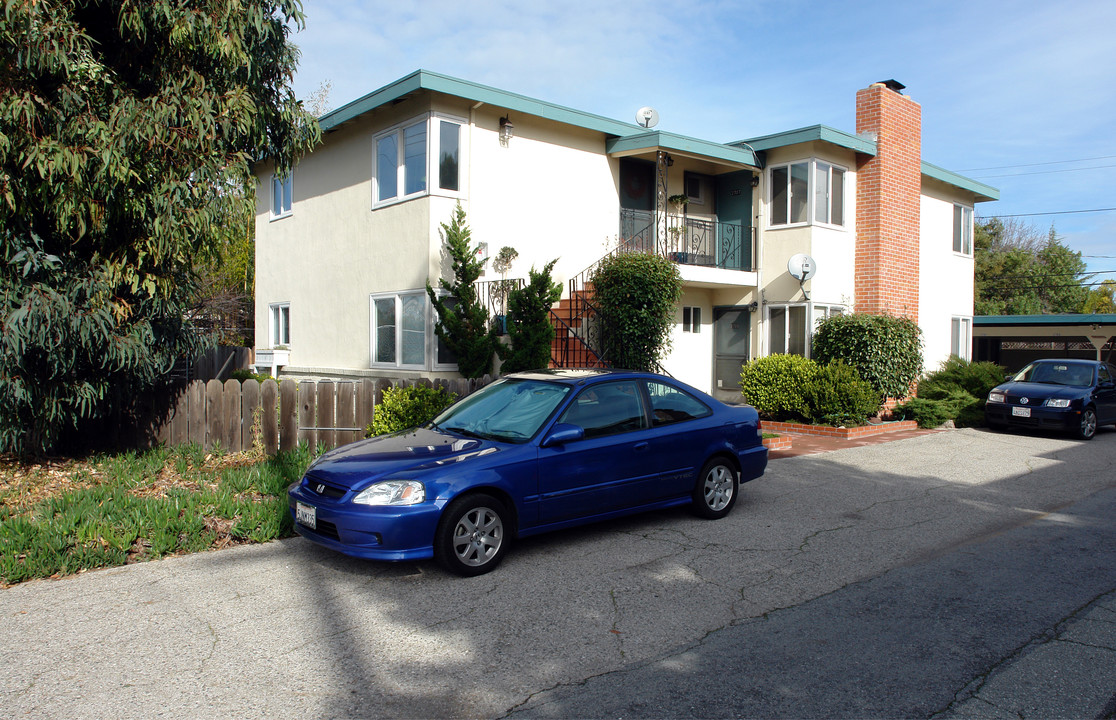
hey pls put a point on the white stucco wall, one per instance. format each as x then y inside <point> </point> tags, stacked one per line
<point>945,277</point>
<point>550,192</point>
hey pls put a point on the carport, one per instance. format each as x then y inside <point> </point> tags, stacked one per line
<point>1015,340</point>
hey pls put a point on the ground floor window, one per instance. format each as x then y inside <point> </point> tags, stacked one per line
<point>403,333</point>
<point>280,324</point>
<point>961,337</point>
<point>789,327</point>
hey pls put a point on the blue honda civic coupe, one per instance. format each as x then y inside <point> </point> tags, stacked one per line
<point>530,453</point>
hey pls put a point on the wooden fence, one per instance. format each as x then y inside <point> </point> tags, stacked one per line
<point>278,416</point>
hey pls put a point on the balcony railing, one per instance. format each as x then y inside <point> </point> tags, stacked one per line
<point>690,241</point>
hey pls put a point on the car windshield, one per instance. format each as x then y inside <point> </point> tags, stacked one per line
<point>1056,374</point>
<point>508,410</point>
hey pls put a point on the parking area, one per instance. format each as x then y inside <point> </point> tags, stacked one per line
<point>291,630</point>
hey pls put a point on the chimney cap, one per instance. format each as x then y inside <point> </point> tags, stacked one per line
<point>892,85</point>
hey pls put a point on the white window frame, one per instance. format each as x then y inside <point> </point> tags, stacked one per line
<point>814,314</point>
<point>432,123</point>
<point>962,230</point>
<point>282,189</point>
<point>430,339</point>
<point>961,337</point>
<point>813,167</point>
<point>278,333</point>
<point>691,319</point>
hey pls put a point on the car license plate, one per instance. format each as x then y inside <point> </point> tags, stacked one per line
<point>306,515</point>
<point>1021,411</point>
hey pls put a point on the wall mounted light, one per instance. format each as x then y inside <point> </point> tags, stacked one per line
<point>755,181</point>
<point>506,130</point>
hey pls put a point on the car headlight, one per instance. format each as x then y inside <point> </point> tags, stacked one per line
<point>996,397</point>
<point>1057,402</point>
<point>392,492</point>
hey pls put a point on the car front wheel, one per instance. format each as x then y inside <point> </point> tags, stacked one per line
<point>472,535</point>
<point>716,489</point>
<point>1088,427</point>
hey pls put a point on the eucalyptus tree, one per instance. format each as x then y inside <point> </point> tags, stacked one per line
<point>127,134</point>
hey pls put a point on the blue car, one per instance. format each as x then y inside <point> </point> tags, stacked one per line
<point>1071,395</point>
<point>530,453</point>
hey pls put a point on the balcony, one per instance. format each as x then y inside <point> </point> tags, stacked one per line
<point>690,241</point>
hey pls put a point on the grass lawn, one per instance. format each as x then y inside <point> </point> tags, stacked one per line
<point>65,516</point>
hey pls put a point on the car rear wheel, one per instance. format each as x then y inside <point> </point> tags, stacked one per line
<point>1088,427</point>
<point>472,535</point>
<point>716,489</point>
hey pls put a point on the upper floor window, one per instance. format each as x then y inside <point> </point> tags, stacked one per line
<point>962,229</point>
<point>792,187</point>
<point>281,193</point>
<point>406,157</point>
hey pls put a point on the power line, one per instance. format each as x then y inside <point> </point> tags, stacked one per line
<point>1057,212</point>
<point>1052,162</point>
<point>1042,172</point>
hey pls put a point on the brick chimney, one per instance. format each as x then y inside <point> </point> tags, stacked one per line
<point>888,190</point>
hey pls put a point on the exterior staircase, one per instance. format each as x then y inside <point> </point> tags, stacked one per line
<point>575,327</point>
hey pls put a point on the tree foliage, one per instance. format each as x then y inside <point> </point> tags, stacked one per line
<point>636,294</point>
<point>886,351</point>
<point>127,130</point>
<point>529,327</point>
<point>462,318</point>
<point>1021,271</point>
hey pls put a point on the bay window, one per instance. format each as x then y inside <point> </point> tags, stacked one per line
<point>406,156</point>
<point>793,185</point>
<point>790,327</point>
<point>403,333</point>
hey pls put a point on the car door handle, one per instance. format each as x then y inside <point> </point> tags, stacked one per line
<point>640,446</point>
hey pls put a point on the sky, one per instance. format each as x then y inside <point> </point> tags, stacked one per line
<point>1019,95</point>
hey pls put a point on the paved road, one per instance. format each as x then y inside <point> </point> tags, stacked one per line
<point>959,574</point>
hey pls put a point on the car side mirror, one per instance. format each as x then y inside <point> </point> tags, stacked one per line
<point>563,433</point>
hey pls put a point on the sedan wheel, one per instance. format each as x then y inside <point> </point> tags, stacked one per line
<point>1088,427</point>
<point>715,492</point>
<point>471,536</point>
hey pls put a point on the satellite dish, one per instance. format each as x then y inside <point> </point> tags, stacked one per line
<point>647,117</point>
<point>801,267</point>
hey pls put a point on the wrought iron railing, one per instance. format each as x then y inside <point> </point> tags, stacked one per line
<point>690,241</point>
<point>494,294</point>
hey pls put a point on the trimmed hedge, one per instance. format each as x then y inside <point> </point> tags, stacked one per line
<point>636,294</point>
<point>886,351</point>
<point>407,407</point>
<point>794,388</point>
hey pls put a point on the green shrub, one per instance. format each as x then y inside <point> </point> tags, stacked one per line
<point>962,386</point>
<point>407,407</point>
<point>837,395</point>
<point>773,385</point>
<point>243,375</point>
<point>529,327</point>
<point>886,351</point>
<point>636,294</point>
<point>927,413</point>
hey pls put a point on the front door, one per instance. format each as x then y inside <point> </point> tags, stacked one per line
<point>732,331</point>
<point>734,220</point>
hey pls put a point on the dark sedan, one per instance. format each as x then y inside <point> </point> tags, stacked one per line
<point>530,453</point>
<point>1072,395</point>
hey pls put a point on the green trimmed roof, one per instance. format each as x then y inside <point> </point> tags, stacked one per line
<point>865,146</point>
<point>628,138</point>
<point>1041,320</point>
<point>809,134</point>
<point>631,144</point>
<point>435,82</point>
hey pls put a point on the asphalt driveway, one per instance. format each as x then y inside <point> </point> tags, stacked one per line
<point>928,575</point>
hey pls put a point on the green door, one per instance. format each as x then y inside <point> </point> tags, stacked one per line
<point>734,220</point>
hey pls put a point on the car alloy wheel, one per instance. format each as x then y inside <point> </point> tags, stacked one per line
<point>472,535</point>
<point>1088,427</point>
<point>716,489</point>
